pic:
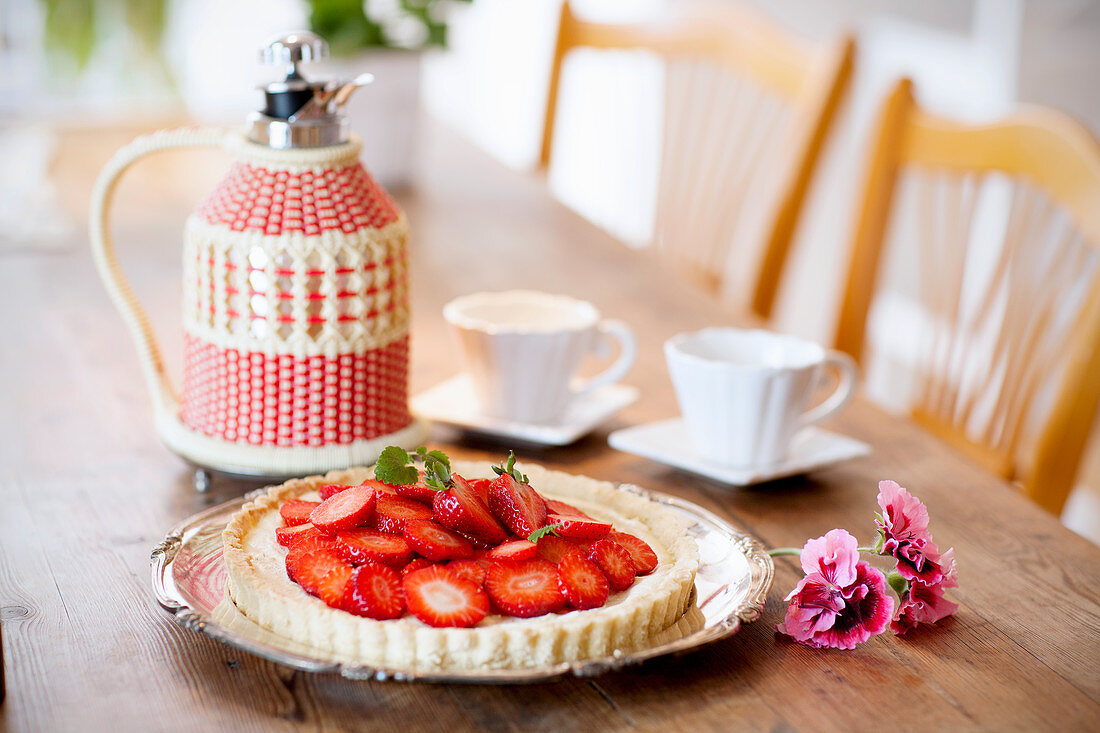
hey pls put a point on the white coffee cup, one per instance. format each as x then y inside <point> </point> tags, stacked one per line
<point>522,349</point>
<point>744,394</point>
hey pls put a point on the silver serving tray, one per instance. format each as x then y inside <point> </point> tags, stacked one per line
<point>189,579</point>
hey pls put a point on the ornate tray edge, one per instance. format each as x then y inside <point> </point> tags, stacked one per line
<point>754,551</point>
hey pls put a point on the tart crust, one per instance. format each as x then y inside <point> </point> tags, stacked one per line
<point>260,588</point>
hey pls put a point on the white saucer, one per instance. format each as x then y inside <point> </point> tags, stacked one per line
<point>667,442</point>
<point>452,402</point>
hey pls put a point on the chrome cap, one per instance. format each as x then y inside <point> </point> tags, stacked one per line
<point>294,48</point>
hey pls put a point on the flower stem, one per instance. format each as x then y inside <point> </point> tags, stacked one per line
<point>780,551</point>
<point>871,550</point>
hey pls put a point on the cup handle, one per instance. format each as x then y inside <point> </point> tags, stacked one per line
<point>628,349</point>
<point>103,250</point>
<point>849,375</point>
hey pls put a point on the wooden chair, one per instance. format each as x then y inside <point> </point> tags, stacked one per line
<point>1010,368</point>
<point>747,108</point>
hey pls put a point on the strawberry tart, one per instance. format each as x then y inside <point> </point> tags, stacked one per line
<point>420,565</point>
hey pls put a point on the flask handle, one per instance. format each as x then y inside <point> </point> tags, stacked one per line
<point>165,399</point>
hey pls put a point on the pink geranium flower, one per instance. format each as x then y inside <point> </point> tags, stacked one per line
<point>842,601</point>
<point>923,604</point>
<point>905,535</point>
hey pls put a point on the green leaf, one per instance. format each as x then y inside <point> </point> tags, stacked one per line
<point>437,468</point>
<point>393,467</point>
<point>438,456</point>
<point>509,468</point>
<point>541,532</point>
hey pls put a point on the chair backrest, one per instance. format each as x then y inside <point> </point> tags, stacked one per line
<point>1007,218</point>
<point>747,108</point>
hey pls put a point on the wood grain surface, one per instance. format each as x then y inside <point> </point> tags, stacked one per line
<point>86,490</point>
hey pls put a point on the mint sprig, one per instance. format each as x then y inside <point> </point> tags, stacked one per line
<point>541,532</point>
<point>394,467</point>
<point>437,468</point>
<point>509,468</point>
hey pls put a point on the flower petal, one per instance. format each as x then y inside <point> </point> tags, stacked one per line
<point>833,555</point>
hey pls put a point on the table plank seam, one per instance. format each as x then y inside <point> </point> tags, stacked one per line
<point>611,701</point>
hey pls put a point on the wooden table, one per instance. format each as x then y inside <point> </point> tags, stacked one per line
<point>86,489</point>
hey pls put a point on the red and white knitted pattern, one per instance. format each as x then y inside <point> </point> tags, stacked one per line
<point>284,400</point>
<point>255,198</point>
<point>296,307</point>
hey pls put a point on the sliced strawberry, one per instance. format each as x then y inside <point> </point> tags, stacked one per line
<point>613,559</point>
<point>478,543</point>
<point>524,589</point>
<point>359,546</point>
<point>481,486</point>
<point>392,511</point>
<point>312,569</point>
<point>581,582</point>
<point>380,486</point>
<point>374,591</point>
<point>417,564</point>
<point>296,511</point>
<point>418,492</point>
<point>641,554</point>
<point>517,505</point>
<point>461,508</point>
<point>514,550</point>
<point>310,540</point>
<point>286,536</point>
<point>553,506</point>
<point>436,542</point>
<point>576,527</point>
<point>347,509</point>
<point>440,598</point>
<point>332,587</point>
<point>328,490</point>
<point>469,569</point>
<point>553,548</point>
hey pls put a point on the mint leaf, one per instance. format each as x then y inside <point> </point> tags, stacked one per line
<point>439,456</point>
<point>510,468</point>
<point>437,468</point>
<point>392,467</point>
<point>541,532</point>
<point>437,475</point>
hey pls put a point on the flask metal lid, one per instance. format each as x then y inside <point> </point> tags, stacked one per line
<point>299,113</point>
